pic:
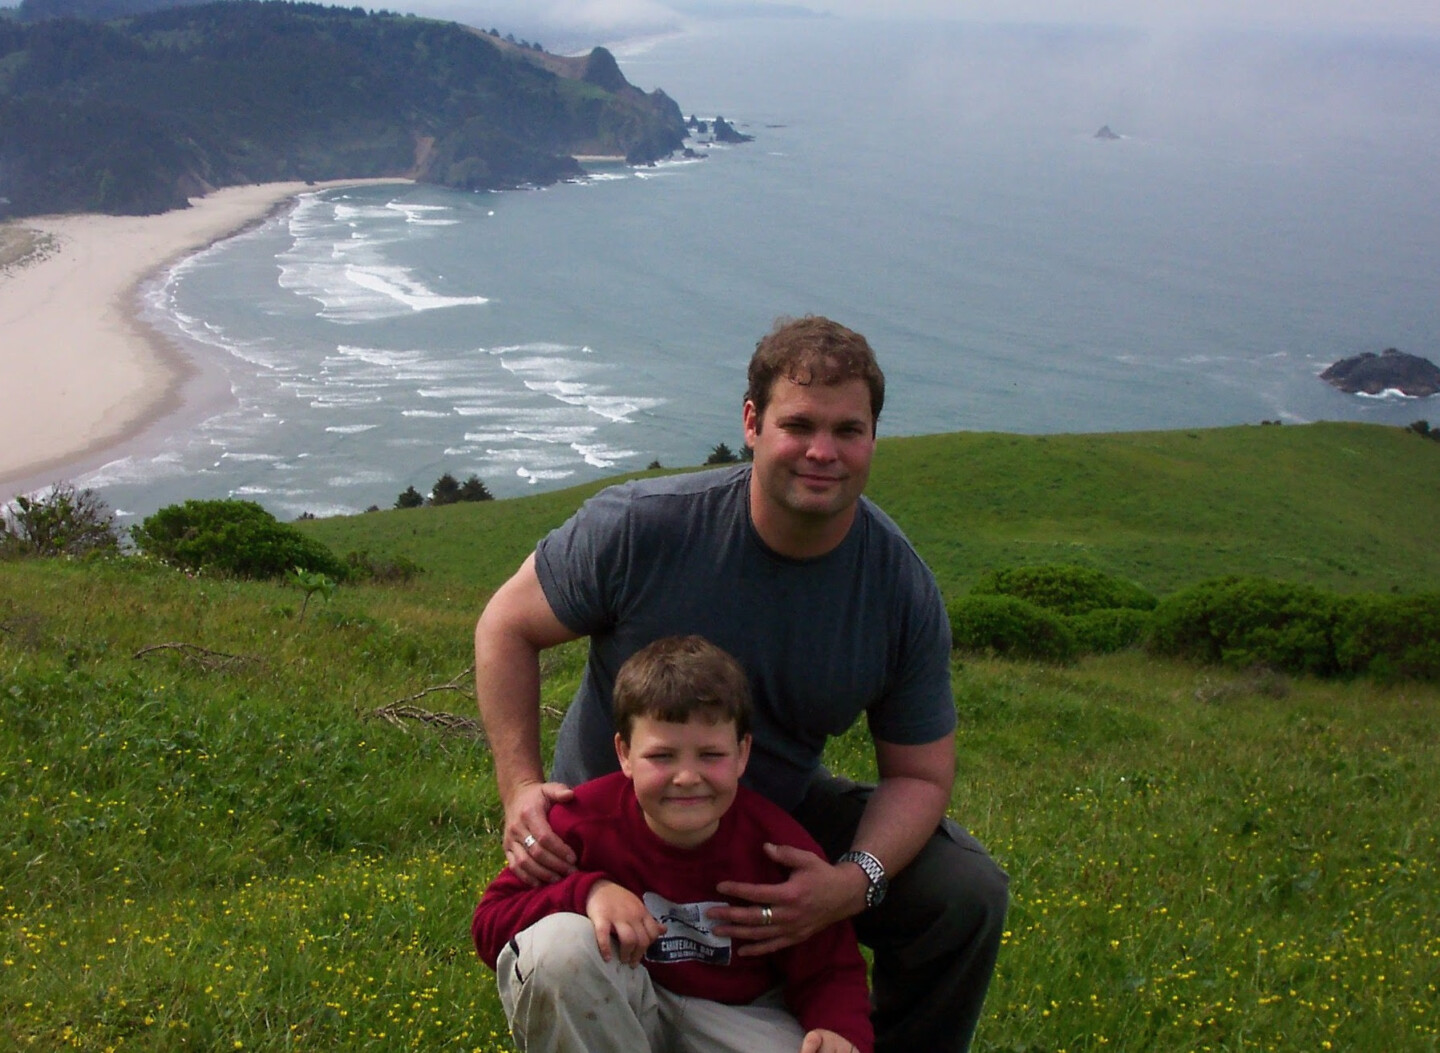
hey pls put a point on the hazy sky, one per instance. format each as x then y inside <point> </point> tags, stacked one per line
<point>1314,13</point>
<point>569,25</point>
<point>1327,12</point>
<point>626,15</point>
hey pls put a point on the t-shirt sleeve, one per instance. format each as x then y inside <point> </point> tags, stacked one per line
<point>580,561</point>
<point>919,706</point>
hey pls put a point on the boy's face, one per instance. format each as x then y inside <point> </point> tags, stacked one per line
<point>684,775</point>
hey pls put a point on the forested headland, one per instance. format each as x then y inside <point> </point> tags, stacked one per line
<point>136,114</point>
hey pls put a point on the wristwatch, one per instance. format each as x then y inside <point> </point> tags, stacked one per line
<point>874,872</point>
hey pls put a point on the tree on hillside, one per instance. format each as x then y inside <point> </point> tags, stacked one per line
<point>472,489</point>
<point>721,454</point>
<point>446,490</point>
<point>410,498</point>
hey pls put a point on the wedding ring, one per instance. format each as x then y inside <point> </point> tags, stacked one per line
<point>767,916</point>
<point>529,842</point>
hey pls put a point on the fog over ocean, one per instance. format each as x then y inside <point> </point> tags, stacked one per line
<point>1268,209</point>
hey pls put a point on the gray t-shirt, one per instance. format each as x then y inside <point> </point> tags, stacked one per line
<point>861,629</point>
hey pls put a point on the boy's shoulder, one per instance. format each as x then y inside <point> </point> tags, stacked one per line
<point>599,799</point>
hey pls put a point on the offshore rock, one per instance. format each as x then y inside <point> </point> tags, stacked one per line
<point>725,133</point>
<point>1392,370</point>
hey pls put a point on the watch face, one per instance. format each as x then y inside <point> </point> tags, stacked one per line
<point>876,892</point>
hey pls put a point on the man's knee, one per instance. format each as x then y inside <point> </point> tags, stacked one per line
<point>950,896</point>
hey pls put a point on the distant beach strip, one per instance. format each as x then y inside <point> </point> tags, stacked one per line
<point>82,376</point>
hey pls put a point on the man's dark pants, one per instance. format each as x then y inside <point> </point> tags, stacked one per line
<point>936,936</point>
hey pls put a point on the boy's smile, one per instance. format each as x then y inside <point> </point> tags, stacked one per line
<point>685,775</point>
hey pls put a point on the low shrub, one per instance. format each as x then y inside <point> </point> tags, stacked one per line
<point>1011,627</point>
<point>382,570</point>
<point>1244,622</point>
<point>1065,588</point>
<point>1109,630</point>
<point>61,522</point>
<point>1390,637</point>
<point>238,538</point>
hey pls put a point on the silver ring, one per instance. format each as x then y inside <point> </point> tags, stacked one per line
<point>529,842</point>
<point>767,916</point>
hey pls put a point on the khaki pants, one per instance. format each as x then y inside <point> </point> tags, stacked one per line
<point>560,996</point>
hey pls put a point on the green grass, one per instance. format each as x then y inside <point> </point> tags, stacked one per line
<point>202,852</point>
<point>1348,507</point>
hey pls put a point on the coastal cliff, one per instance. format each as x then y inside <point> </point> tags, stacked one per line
<point>137,114</point>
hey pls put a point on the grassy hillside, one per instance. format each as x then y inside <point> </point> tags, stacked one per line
<point>1348,507</point>
<point>212,840</point>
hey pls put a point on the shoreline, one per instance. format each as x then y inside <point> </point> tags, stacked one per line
<point>86,379</point>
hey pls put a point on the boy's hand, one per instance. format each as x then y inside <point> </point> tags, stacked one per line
<point>822,1041</point>
<point>620,915</point>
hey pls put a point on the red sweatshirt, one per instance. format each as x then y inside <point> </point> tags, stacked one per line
<point>823,979</point>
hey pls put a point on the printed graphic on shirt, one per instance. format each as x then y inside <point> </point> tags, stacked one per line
<point>688,933</point>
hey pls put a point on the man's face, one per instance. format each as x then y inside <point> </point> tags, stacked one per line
<point>812,450</point>
<point>685,775</point>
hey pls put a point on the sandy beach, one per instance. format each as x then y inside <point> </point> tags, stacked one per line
<point>80,376</point>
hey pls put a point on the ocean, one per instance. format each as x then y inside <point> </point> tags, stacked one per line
<point>1268,208</point>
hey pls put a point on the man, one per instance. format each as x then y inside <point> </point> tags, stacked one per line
<point>785,565</point>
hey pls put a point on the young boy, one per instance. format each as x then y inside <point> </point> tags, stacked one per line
<point>652,841</point>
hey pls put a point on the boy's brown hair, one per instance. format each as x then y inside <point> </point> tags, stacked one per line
<point>678,677</point>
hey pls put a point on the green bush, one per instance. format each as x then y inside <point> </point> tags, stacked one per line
<point>1250,621</point>
<point>1011,627</point>
<point>382,570</point>
<point>232,537</point>
<point>1109,630</point>
<point>1390,636</point>
<point>62,522</point>
<point>1065,588</point>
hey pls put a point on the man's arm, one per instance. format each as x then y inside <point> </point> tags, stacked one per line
<point>516,626</point>
<point>903,812</point>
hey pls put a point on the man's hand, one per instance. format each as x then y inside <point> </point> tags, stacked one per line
<point>823,1041</point>
<point>620,915</point>
<point>534,851</point>
<point>814,896</point>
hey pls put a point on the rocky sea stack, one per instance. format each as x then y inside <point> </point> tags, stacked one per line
<point>1391,370</point>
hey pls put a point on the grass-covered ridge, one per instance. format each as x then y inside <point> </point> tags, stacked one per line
<point>224,849</point>
<point>1346,507</point>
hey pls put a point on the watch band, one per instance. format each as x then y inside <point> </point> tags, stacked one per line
<point>874,873</point>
